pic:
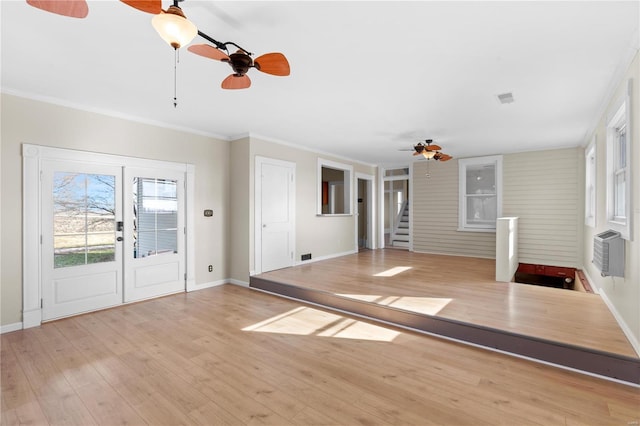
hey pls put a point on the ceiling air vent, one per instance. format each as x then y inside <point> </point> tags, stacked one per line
<point>505,98</point>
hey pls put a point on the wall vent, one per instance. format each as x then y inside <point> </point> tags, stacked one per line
<point>608,253</point>
<point>505,98</point>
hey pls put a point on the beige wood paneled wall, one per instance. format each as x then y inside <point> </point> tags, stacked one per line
<point>542,188</point>
<point>434,201</point>
<point>545,190</point>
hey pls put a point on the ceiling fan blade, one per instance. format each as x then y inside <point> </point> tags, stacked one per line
<point>272,63</point>
<point>445,157</point>
<point>71,8</point>
<point>149,6</point>
<point>208,51</point>
<point>236,82</point>
<point>432,148</point>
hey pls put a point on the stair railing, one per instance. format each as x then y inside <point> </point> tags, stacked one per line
<point>397,221</point>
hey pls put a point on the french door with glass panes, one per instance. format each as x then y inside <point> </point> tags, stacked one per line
<point>81,255</point>
<point>110,235</point>
<point>154,249</point>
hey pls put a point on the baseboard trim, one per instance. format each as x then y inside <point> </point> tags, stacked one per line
<point>621,322</point>
<point>202,286</point>
<point>633,340</point>
<point>594,287</point>
<point>10,327</point>
<point>238,282</point>
<point>327,257</point>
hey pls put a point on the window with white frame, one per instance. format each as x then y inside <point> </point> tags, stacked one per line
<point>480,193</point>
<point>334,188</point>
<point>590,185</point>
<point>619,167</point>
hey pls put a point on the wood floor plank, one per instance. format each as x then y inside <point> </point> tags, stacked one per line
<point>107,406</point>
<point>213,414</point>
<point>230,355</point>
<point>464,289</point>
<point>19,404</point>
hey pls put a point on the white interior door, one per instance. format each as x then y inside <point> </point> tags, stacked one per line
<point>275,214</point>
<point>154,232</point>
<point>81,257</point>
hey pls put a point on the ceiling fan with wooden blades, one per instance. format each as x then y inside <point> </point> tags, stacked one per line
<point>177,31</point>
<point>80,8</point>
<point>270,63</point>
<point>430,151</point>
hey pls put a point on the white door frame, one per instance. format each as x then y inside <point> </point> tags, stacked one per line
<point>381,207</point>
<point>31,213</point>
<point>371,214</point>
<point>257,197</point>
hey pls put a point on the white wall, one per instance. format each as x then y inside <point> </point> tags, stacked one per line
<point>623,294</point>
<point>322,236</point>
<point>239,208</point>
<point>34,122</point>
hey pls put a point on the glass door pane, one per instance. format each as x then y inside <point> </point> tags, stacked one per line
<point>154,250</point>
<point>155,217</point>
<point>83,219</point>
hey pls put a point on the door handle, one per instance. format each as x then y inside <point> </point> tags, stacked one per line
<point>119,239</point>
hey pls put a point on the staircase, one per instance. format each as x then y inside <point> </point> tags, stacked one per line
<point>400,234</point>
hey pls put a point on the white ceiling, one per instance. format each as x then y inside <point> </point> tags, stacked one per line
<point>367,78</point>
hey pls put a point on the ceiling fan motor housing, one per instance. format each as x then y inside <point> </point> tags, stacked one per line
<point>240,62</point>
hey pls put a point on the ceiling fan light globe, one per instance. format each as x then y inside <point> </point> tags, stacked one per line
<point>428,154</point>
<point>174,27</point>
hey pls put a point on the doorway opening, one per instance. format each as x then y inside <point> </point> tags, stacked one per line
<point>396,208</point>
<point>365,217</point>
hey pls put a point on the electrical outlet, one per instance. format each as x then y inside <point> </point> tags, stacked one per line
<point>210,268</point>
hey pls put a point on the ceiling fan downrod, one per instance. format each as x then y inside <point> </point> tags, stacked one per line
<point>220,45</point>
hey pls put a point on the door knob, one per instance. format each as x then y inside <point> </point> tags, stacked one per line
<point>119,239</point>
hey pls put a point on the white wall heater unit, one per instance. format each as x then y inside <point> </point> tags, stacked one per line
<point>608,253</point>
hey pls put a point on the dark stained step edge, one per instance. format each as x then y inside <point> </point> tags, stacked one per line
<point>605,364</point>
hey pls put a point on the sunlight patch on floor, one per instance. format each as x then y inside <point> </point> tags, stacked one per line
<point>421,305</point>
<point>393,271</point>
<point>313,322</point>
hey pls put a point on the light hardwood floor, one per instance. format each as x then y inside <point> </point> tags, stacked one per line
<point>230,355</point>
<point>464,289</point>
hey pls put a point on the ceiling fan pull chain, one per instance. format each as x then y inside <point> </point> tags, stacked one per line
<point>176,59</point>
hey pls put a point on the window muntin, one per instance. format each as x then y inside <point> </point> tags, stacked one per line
<point>83,219</point>
<point>620,175</point>
<point>619,182</point>
<point>480,199</point>
<point>590,185</point>
<point>403,171</point>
